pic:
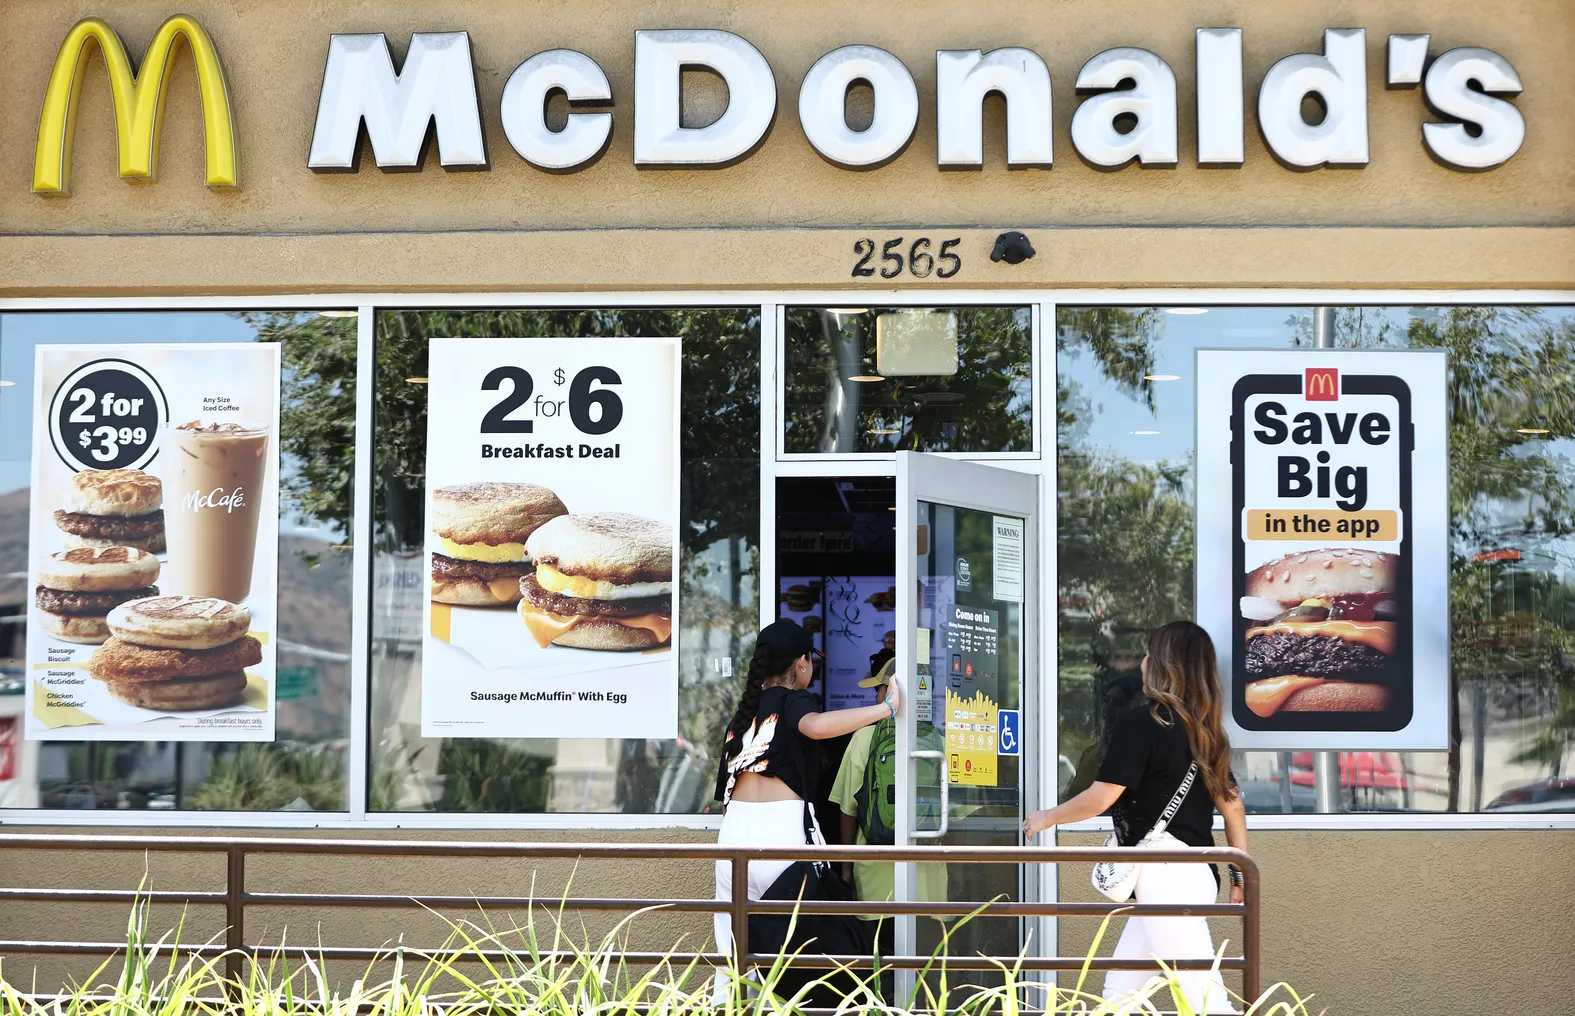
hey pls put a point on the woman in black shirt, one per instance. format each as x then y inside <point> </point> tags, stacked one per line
<point>770,762</point>
<point>1150,753</point>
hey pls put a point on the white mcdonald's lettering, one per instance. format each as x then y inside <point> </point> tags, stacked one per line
<point>138,98</point>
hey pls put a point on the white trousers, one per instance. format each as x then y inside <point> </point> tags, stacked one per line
<point>754,824</point>
<point>1170,938</point>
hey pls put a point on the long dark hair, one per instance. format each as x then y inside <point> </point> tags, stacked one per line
<point>763,665</point>
<point>1183,676</point>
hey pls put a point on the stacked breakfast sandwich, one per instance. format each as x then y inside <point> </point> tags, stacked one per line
<point>77,588</point>
<point>114,508</point>
<point>177,653</point>
<point>481,530</point>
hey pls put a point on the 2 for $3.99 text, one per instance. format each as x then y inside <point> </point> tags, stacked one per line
<point>592,410</point>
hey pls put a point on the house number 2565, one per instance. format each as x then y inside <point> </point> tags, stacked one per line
<point>897,254</point>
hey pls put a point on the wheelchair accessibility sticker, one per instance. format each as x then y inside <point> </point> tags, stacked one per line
<point>1008,734</point>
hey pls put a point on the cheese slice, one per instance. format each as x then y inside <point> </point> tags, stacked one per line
<point>486,553</point>
<point>583,588</point>
<point>1267,696</point>
<point>506,590</point>
<point>546,627</point>
<point>1377,635</point>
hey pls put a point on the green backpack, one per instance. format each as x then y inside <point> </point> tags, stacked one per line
<point>876,799</point>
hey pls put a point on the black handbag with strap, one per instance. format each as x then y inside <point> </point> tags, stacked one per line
<point>834,934</point>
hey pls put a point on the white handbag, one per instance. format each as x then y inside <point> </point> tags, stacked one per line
<point>1118,879</point>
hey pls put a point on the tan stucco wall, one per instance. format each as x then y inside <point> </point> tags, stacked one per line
<point>519,228</point>
<point>1382,923</point>
<point>1372,923</point>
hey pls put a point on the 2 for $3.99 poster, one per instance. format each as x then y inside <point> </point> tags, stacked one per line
<point>551,544</point>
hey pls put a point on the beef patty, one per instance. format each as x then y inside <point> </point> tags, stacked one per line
<point>58,601</point>
<point>111,527</point>
<point>569,605</point>
<point>1279,653</point>
<point>452,568</point>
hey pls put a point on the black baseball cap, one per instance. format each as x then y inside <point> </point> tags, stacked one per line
<point>786,640</point>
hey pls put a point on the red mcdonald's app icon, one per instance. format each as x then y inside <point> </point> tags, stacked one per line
<point>1322,384</point>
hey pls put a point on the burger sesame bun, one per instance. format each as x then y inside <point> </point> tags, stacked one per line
<point>492,513</point>
<point>608,634</point>
<point>82,630</point>
<point>180,622</point>
<point>114,492</point>
<point>610,547</point>
<point>1339,697</point>
<point>98,569</point>
<point>1335,571</point>
<point>473,592</point>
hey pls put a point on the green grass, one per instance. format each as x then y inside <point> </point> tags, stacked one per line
<point>540,968</point>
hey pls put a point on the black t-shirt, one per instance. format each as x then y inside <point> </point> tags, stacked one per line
<point>773,746</point>
<point>1150,759</point>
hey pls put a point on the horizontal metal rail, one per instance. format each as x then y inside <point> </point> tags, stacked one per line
<point>236,898</point>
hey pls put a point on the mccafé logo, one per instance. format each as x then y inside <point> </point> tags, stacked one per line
<point>1129,110</point>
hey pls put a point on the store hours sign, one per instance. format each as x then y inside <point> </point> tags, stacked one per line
<point>552,507</point>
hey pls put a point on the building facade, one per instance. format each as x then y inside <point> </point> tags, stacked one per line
<point>790,191</point>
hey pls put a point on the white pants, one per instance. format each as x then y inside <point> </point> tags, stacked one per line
<point>1170,938</point>
<point>754,824</point>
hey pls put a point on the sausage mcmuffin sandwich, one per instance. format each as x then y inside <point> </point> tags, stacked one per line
<point>601,582</point>
<point>481,529</point>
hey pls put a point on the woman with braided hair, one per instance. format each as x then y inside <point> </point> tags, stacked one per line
<point>770,760</point>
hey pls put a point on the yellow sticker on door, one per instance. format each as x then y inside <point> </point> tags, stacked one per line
<point>970,739</point>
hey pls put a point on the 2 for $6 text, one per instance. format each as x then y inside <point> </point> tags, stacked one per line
<point>590,404</point>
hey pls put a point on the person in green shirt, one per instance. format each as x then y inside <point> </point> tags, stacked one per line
<point>876,881</point>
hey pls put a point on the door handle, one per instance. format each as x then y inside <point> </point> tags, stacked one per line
<point>946,811</point>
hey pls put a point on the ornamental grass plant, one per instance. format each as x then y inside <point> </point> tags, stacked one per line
<point>539,968</point>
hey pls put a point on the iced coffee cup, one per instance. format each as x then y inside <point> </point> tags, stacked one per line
<point>213,491</point>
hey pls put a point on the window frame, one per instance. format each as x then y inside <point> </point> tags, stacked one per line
<point>774,463</point>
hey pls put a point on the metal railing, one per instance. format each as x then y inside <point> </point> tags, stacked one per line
<point>236,897</point>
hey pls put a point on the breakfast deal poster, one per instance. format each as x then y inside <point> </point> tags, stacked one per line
<point>552,511</point>
<point>1322,545</point>
<point>154,542</point>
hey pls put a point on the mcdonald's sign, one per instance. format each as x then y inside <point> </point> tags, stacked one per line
<point>138,98</point>
<point>1322,384</point>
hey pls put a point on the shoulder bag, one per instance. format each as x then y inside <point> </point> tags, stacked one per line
<point>1118,879</point>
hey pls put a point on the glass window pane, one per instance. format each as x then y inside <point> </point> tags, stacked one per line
<point>1125,451</point>
<point>718,576</point>
<point>303,769</point>
<point>937,379</point>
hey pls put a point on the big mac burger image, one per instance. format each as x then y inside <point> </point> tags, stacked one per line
<point>481,529</point>
<point>1321,632</point>
<point>602,581</point>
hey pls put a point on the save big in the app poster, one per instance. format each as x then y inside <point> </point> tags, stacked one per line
<point>154,542</point>
<point>551,516</point>
<point>1321,499</point>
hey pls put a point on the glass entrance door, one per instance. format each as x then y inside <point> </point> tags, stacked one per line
<point>967,610</point>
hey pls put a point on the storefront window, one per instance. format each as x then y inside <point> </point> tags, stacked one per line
<point>1125,458</point>
<point>303,769</point>
<point>718,576</point>
<point>933,379</point>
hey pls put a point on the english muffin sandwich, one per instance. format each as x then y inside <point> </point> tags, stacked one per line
<point>600,582</point>
<point>481,529</point>
<point>114,508</point>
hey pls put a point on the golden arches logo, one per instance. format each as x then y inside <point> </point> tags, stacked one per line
<point>139,104</point>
